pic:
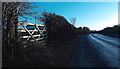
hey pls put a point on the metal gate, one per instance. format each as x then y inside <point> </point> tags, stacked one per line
<point>32,32</point>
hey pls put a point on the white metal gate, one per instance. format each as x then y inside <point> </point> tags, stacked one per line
<point>36,33</point>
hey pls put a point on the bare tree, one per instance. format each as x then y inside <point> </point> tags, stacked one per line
<point>10,13</point>
<point>73,20</point>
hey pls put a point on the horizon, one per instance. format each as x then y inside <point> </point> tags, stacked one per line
<point>95,15</point>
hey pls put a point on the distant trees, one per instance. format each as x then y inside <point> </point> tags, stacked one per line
<point>111,31</point>
<point>79,27</point>
<point>84,30</point>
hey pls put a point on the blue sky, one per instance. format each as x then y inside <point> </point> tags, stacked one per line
<point>73,0</point>
<point>95,15</point>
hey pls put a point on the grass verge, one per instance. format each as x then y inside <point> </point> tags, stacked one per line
<point>36,54</point>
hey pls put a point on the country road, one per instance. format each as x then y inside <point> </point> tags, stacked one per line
<point>96,50</point>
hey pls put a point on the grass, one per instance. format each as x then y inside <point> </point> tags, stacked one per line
<point>37,54</point>
<point>63,52</point>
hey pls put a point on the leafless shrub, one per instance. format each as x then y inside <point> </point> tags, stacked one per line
<point>73,20</point>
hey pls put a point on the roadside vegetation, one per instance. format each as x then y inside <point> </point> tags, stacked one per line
<point>62,37</point>
<point>60,46</point>
<point>110,31</point>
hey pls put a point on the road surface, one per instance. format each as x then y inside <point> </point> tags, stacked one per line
<point>96,50</point>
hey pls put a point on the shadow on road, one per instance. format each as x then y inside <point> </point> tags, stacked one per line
<point>85,56</point>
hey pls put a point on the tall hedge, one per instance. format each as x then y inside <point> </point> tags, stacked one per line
<point>59,29</point>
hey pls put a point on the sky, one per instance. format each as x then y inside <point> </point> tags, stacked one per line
<point>95,15</point>
<point>60,0</point>
<point>73,0</point>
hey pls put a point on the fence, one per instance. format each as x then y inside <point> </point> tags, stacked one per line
<point>32,32</point>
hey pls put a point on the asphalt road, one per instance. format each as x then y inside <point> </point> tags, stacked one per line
<point>85,56</point>
<point>107,48</point>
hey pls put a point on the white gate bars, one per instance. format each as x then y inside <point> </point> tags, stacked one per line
<point>32,32</point>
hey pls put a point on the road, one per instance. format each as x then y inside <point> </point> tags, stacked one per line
<point>96,50</point>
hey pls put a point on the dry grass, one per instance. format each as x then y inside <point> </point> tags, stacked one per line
<point>37,54</point>
<point>63,52</point>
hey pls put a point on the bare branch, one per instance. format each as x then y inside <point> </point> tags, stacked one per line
<point>73,21</point>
